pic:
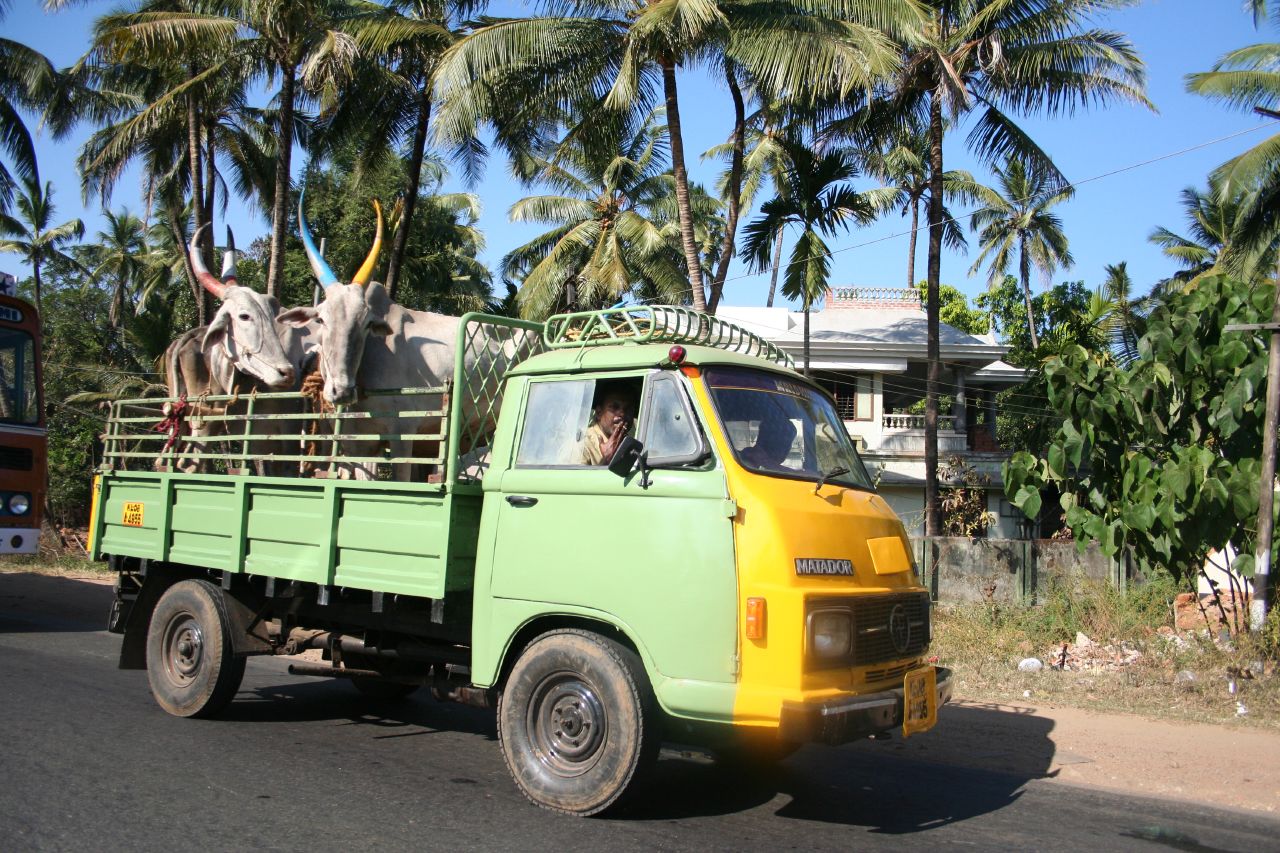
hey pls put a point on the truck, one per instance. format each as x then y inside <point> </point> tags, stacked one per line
<point>722,575</point>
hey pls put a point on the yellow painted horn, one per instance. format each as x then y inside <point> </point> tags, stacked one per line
<point>366,269</point>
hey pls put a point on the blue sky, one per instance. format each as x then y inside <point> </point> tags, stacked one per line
<point>1108,220</point>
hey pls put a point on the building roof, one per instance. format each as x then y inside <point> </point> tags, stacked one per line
<point>873,329</point>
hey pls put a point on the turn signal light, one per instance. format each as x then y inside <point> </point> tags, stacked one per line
<point>755,619</point>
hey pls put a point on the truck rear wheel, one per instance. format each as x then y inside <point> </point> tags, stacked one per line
<point>191,664</point>
<point>577,722</point>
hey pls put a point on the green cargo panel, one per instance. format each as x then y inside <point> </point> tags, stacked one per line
<point>143,539</point>
<point>288,531</point>
<point>392,541</point>
<point>204,523</point>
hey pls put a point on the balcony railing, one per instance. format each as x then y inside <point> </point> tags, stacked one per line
<point>945,422</point>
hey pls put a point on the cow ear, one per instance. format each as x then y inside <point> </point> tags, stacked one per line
<point>377,298</point>
<point>297,317</point>
<point>218,332</point>
<point>380,327</point>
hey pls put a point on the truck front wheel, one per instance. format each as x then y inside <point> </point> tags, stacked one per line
<point>191,665</point>
<point>577,722</point>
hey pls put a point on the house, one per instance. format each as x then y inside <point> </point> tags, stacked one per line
<point>869,347</point>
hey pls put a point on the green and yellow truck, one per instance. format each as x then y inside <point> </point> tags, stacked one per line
<point>725,576</point>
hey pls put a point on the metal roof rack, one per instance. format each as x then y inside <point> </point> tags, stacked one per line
<point>650,324</point>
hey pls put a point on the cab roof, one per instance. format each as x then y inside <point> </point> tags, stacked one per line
<point>638,356</point>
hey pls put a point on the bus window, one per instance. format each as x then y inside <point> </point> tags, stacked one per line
<point>19,401</point>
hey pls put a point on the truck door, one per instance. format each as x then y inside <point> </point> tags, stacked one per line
<point>656,559</point>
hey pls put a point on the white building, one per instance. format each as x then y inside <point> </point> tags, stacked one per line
<point>869,347</point>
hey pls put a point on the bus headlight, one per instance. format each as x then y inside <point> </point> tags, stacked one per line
<point>830,633</point>
<point>19,504</point>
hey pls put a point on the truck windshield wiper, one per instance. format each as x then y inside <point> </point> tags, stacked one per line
<point>827,475</point>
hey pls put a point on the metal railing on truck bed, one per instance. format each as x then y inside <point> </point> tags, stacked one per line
<point>445,428</point>
<point>415,537</point>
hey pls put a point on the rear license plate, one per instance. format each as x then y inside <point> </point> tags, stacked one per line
<point>919,701</point>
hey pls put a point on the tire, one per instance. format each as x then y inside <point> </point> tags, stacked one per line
<point>191,663</point>
<point>577,722</point>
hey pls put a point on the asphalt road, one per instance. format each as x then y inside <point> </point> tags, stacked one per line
<point>89,762</point>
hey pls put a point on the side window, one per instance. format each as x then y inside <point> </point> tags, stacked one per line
<point>577,422</point>
<point>670,433</point>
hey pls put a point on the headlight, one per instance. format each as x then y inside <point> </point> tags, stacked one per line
<point>19,504</point>
<point>830,633</point>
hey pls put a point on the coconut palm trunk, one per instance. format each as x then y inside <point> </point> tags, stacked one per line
<point>196,165</point>
<point>734,189</point>
<point>777,265</point>
<point>911,250</point>
<point>280,203</point>
<point>416,155</point>
<point>932,508</point>
<point>693,264</point>
<point>1024,271</point>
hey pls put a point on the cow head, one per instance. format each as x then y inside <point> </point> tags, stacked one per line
<point>345,318</point>
<point>244,325</point>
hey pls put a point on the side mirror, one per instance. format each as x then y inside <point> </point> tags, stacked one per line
<point>629,453</point>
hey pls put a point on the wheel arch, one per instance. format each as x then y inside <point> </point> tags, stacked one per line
<point>533,628</point>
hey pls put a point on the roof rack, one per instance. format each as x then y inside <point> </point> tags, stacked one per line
<point>648,324</point>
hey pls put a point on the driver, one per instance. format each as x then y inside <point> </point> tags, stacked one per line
<point>612,415</point>
<point>773,442</point>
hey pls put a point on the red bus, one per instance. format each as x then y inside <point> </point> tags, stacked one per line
<point>23,438</point>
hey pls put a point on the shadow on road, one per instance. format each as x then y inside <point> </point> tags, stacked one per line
<point>50,603</point>
<point>976,761</point>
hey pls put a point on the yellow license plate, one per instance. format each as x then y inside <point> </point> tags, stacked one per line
<point>920,701</point>
<point>132,515</point>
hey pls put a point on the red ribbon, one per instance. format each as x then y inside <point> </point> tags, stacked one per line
<point>174,423</point>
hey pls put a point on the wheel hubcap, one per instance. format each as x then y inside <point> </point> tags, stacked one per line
<point>185,644</point>
<point>567,724</point>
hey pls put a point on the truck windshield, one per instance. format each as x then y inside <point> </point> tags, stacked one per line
<point>784,428</point>
<point>18,400</point>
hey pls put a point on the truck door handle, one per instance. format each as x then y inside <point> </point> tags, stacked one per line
<point>521,500</point>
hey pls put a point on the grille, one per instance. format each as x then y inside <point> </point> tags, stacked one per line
<point>873,633</point>
<point>15,458</point>
<point>893,673</point>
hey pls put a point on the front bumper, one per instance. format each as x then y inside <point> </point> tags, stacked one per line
<point>19,540</point>
<point>853,717</point>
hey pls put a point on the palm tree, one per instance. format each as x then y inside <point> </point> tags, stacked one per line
<point>1018,221</point>
<point>1125,318</point>
<point>394,106</point>
<point>1208,246</point>
<point>986,59</point>
<point>121,259</point>
<point>901,166</point>
<point>593,60</point>
<point>26,79</point>
<point>603,242</point>
<point>32,235</point>
<point>819,200</point>
<point>1248,78</point>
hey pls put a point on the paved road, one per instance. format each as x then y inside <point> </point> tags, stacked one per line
<point>89,762</point>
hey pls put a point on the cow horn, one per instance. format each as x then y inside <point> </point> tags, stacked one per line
<point>321,270</point>
<point>229,260</point>
<point>366,269</point>
<point>206,278</point>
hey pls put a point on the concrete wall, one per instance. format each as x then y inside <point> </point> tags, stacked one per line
<point>959,570</point>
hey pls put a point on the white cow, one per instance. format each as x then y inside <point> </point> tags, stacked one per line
<point>242,350</point>
<point>366,342</point>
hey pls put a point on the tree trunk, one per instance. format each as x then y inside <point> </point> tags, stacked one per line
<point>196,165</point>
<point>777,265</point>
<point>735,188</point>
<point>806,334</point>
<point>35,280</point>
<point>911,252</point>
<point>932,508</point>
<point>692,263</point>
<point>280,203</point>
<point>175,217</point>
<point>401,241</point>
<point>210,185</point>
<point>1024,270</point>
